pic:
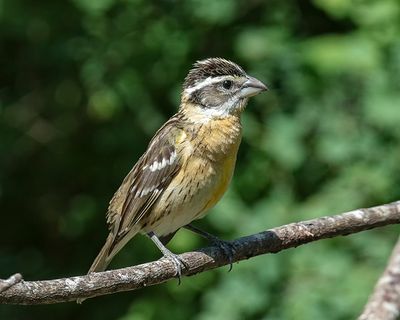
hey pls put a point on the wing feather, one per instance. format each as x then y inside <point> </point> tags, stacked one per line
<point>146,181</point>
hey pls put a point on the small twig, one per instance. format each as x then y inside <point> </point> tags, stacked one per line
<point>8,283</point>
<point>384,302</point>
<point>136,277</point>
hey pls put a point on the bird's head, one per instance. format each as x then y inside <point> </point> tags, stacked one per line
<point>216,87</point>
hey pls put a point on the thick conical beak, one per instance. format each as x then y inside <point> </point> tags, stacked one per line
<point>252,87</point>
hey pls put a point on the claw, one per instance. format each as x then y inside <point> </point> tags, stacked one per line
<point>176,260</point>
<point>228,249</point>
<point>179,263</point>
<point>226,246</point>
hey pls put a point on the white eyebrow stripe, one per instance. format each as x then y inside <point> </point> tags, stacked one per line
<point>204,83</point>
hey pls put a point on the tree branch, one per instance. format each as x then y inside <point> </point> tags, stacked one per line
<point>8,283</point>
<point>136,277</point>
<point>384,302</point>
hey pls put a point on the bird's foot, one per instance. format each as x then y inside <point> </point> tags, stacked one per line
<point>178,263</point>
<point>227,247</point>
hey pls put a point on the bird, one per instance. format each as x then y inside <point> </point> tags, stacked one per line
<point>188,164</point>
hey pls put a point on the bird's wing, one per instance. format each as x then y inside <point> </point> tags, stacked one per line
<point>146,181</point>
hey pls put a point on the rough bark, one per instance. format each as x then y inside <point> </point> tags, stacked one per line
<point>12,280</point>
<point>384,302</point>
<point>136,277</point>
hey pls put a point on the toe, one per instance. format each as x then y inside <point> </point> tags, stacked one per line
<point>229,251</point>
<point>179,264</point>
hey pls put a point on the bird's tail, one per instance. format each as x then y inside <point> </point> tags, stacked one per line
<point>107,253</point>
<point>103,259</point>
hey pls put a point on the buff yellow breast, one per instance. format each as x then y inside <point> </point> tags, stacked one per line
<point>208,152</point>
<point>226,169</point>
<point>219,151</point>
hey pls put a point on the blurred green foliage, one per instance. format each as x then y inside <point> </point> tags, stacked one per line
<point>84,84</point>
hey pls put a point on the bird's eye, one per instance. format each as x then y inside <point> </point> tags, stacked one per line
<point>227,84</point>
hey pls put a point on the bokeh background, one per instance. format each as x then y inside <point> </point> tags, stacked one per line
<point>84,84</point>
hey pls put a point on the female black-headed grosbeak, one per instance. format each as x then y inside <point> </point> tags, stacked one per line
<point>188,164</point>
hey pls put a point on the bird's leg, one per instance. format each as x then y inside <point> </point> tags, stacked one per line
<point>167,238</point>
<point>178,262</point>
<point>226,246</point>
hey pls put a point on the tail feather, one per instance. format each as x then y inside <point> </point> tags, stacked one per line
<point>104,257</point>
<point>107,253</point>
<point>102,260</point>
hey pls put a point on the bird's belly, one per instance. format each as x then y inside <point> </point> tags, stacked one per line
<point>190,196</point>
